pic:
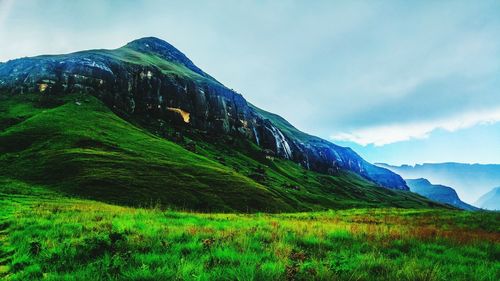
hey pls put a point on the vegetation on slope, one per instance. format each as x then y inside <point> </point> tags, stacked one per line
<point>78,146</point>
<point>83,148</point>
<point>129,55</point>
<point>55,238</point>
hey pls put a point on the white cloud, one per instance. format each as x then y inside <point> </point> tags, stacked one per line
<point>387,134</point>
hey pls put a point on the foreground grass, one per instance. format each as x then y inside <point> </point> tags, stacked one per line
<point>50,238</point>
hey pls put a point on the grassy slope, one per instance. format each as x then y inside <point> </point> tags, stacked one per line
<point>88,151</point>
<point>344,190</point>
<point>55,238</point>
<point>129,55</point>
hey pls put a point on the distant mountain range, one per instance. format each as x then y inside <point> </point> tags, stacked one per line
<point>490,200</point>
<point>437,192</point>
<point>469,180</point>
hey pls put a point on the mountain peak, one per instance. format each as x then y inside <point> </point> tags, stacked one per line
<point>164,50</point>
<point>421,180</point>
<point>150,44</point>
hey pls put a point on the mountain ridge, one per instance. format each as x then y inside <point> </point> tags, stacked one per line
<point>164,50</point>
<point>490,200</point>
<point>469,180</point>
<point>438,193</point>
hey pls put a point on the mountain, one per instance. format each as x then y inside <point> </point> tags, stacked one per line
<point>142,124</point>
<point>490,200</point>
<point>149,77</point>
<point>469,180</point>
<point>438,193</point>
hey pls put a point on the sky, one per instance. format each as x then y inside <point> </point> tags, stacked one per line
<point>400,82</point>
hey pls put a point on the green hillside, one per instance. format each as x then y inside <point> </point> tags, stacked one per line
<point>87,150</point>
<point>77,146</point>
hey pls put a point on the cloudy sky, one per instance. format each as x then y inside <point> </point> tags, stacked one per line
<point>399,81</point>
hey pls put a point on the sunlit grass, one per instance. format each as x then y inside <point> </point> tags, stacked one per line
<point>68,238</point>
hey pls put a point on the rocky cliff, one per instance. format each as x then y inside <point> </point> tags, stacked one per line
<point>150,79</point>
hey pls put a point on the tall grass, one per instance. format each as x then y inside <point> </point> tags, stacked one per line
<point>70,239</point>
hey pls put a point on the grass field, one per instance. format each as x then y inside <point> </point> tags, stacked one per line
<point>46,236</point>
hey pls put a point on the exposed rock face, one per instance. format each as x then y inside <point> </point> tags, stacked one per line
<point>439,193</point>
<point>149,77</point>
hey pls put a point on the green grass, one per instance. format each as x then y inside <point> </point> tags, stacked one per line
<point>55,238</point>
<point>81,148</point>
<point>87,150</point>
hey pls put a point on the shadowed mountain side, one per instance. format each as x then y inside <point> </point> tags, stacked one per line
<point>490,200</point>
<point>438,193</point>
